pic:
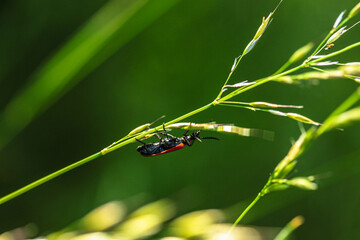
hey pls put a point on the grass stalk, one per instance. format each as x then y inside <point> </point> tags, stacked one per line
<point>132,140</point>
<point>337,52</point>
<point>305,141</point>
<point>48,178</point>
<point>257,83</point>
<point>247,209</point>
<point>218,100</point>
<point>323,43</point>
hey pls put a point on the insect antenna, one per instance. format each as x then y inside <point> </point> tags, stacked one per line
<point>209,138</point>
<point>157,119</point>
<point>157,132</point>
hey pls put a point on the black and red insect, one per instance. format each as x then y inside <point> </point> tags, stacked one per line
<point>169,143</point>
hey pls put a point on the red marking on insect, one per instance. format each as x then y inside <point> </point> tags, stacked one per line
<point>177,147</point>
<point>169,143</point>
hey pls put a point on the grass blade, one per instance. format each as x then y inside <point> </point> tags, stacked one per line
<point>109,29</point>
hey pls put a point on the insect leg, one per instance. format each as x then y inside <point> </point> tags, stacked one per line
<point>146,148</point>
<point>187,142</point>
<point>157,135</point>
<point>165,132</point>
<point>191,143</point>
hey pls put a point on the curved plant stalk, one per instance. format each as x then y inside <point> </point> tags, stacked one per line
<point>124,143</point>
<point>48,178</point>
<point>243,87</point>
<point>277,180</point>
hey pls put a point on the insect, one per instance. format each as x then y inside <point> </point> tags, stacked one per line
<point>169,143</point>
<point>329,46</point>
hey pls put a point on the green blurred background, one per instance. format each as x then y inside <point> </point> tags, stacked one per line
<point>169,58</point>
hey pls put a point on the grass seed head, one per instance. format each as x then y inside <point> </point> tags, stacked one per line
<point>296,150</point>
<point>276,187</point>
<point>278,113</point>
<point>304,183</point>
<point>301,52</point>
<point>302,118</point>
<point>294,116</point>
<point>264,24</point>
<point>272,105</point>
<point>354,11</point>
<point>325,63</point>
<point>336,35</point>
<point>286,170</point>
<point>241,84</point>
<point>314,76</point>
<point>139,129</point>
<point>234,64</point>
<point>250,46</point>
<point>339,19</point>
<point>351,69</point>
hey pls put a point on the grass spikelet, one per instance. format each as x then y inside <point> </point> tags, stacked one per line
<point>354,11</point>
<point>347,70</point>
<point>305,183</point>
<point>338,20</point>
<point>272,105</point>
<point>265,23</point>
<point>301,53</point>
<point>302,118</point>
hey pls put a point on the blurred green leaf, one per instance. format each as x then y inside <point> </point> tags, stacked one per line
<point>110,28</point>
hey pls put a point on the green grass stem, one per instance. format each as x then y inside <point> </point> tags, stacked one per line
<point>47,178</point>
<point>127,140</point>
<point>349,102</point>
<point>323,43</point>
<point>336,53</point>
